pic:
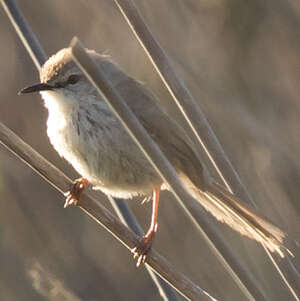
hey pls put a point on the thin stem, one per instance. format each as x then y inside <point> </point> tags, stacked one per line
<point>212,236</point>
<point>38,56</point>
<point>182,97</point>
<point>100,214</point>
<point>205,138</point>
<point>25,33</point>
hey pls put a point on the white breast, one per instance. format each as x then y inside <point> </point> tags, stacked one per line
<point>61,131</point>
<point>97,146</point>
<point>59,110</point>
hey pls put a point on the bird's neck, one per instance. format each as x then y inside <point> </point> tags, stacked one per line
<point>57,103</point>
<point>60,110</point>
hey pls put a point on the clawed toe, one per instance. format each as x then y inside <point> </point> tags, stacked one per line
<point>72,196</point>
<point>70,199</point>
<point>141,258</point>
<point>140,252</point>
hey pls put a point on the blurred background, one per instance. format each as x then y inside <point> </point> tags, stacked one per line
<point>240,60</point>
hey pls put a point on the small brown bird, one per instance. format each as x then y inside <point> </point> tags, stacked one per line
<point>84,131</point>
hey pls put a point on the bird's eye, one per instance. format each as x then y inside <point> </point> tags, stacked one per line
<point>73,79</point>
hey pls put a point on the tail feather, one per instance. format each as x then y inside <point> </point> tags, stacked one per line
<point>226,208</point>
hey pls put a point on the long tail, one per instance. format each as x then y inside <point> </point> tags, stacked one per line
<point>226,208</point>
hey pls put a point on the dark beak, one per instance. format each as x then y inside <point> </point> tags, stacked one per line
<point>36,88</point>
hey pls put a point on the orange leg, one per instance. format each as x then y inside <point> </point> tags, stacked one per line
<point>75,192</point>
<point>141,251</point>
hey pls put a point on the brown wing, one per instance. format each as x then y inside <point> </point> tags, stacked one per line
<point>169,136</point>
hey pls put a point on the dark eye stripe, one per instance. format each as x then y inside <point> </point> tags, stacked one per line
<point>73,79</point>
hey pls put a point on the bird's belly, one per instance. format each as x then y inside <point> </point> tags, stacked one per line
<point>106,156</point>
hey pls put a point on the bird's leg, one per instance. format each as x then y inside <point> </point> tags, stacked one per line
<point>142,250</point>
<point>74,193</point>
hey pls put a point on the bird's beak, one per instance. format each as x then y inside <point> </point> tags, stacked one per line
<point>36,88</point>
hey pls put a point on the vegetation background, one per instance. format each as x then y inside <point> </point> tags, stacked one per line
<point>240,59</point>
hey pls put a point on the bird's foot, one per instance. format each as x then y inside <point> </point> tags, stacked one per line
<point>74,193</point>
<point>140,252</point>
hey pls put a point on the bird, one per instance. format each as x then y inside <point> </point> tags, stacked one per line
<point>83,130</point>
